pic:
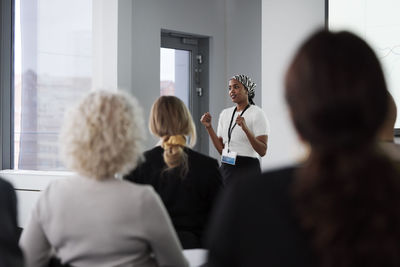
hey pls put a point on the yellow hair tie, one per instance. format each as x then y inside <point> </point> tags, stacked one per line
<point>174,140</point>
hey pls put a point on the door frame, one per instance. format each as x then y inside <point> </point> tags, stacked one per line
<point>199,78</point>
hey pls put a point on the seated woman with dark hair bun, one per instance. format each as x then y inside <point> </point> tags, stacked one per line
<point>341,206</point>
<point>186,180</point>
<point>94,219</point>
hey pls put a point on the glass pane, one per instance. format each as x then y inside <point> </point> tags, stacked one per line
<point>52,68</point>
<point>175,73</point>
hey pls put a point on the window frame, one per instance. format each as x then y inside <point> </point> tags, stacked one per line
<point>6,83</point>
<point>198,105</point>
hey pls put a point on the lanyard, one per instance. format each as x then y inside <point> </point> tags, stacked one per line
<point>230,124</point>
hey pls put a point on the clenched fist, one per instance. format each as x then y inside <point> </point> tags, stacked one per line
<point>206,119</point>
<point>241,122</point>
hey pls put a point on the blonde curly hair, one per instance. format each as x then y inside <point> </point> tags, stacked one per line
<point>103,135</point>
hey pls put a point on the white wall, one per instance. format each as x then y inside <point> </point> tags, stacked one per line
<point>234,28</point>
<point>140,24</point>
<point>104,44</point>
<point>243,38</point>
<point>285,24</point>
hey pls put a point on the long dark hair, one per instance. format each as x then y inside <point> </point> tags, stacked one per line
<point>347,194</point>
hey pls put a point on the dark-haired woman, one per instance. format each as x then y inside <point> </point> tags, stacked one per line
<point>187,181</point>
<point>242,133</point>
<point>341,206</point>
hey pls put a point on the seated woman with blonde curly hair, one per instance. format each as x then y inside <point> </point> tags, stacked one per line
<point>93,219</point>
<point>186,180</point>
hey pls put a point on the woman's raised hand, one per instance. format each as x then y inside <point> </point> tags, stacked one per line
<point>206,119</point>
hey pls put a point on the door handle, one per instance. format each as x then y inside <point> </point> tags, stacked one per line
<point>199,91</point>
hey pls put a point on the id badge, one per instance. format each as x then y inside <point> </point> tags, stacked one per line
<point>228,157</point>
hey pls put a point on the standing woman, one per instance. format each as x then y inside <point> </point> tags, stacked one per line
<point>242,133</point>
<point>186,180</point>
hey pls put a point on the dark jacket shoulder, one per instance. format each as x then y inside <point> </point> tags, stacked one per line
<point>8,200</point>
<point>260,212</point>
<point>195,156</point>
<point>10,253</point>
<point>152,165</point>
<point>5,186</point>
<point>274,182</point>
<point>155,155</point>
<point>159,150</point>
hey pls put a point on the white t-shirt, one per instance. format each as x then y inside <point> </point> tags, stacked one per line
<point>256,121</point>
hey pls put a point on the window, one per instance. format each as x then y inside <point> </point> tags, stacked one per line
<point>175,73</point>
<point>52,69</point>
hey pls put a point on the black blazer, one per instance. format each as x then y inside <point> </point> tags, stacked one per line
<point>188,199</point>
<point>254,224</point>
<point>10,253</point>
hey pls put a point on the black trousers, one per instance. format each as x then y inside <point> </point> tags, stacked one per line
<point>244,167</point>
<point>189,240</point>
<point>55,262</point>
